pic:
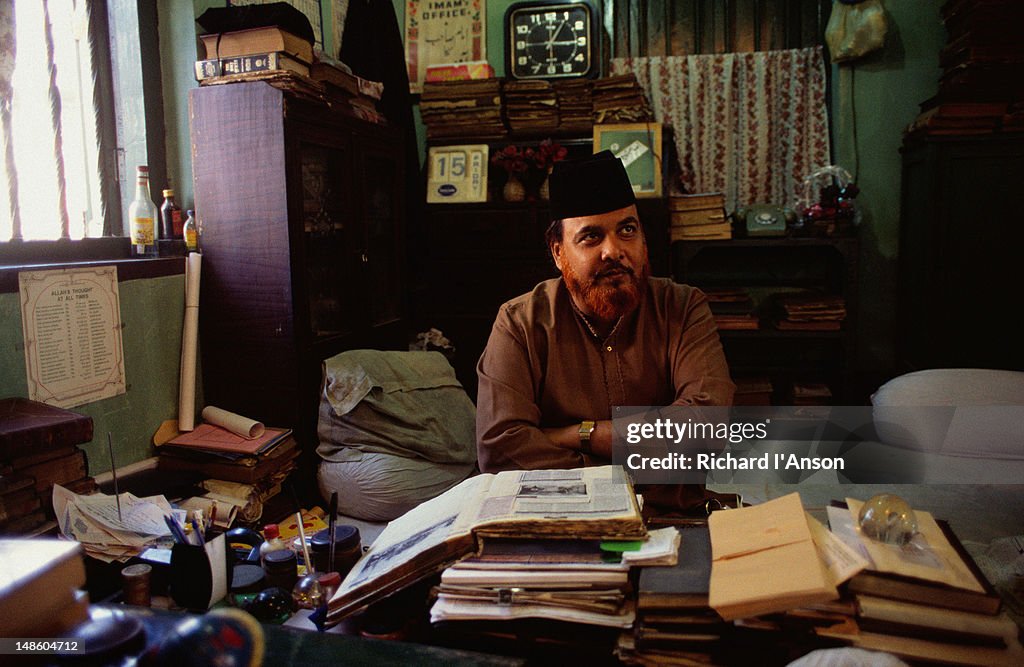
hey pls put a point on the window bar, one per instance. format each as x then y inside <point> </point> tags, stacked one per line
<point>80,11</point>
<point>58,137</point>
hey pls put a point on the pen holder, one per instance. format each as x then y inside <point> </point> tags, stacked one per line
<point>199,574</point>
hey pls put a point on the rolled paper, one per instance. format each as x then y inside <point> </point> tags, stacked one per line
<point>237,424</point>
<point>189,336</point>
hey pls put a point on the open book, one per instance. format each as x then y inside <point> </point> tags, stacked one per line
<point>583,503</point>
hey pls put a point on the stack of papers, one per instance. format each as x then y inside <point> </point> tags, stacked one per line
<point>106,533</point>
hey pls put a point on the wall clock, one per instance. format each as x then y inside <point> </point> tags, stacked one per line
<point>552,40</point>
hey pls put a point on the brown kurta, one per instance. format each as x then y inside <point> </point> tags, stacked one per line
<point>544,368</point>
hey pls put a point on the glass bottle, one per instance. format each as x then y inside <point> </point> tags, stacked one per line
<point>142,217</point>
<point>191,232</point>
<point>272,542</point>
<point>170,217</point>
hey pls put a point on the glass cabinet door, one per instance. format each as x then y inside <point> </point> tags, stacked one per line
<point>382,195</point>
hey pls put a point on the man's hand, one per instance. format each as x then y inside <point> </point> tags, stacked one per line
<point>568,437</point>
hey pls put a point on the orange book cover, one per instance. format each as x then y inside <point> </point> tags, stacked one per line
<point>208,436</point>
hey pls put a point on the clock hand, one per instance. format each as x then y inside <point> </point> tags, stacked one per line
<point>554,33</point>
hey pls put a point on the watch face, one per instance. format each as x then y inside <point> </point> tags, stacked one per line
<point>550,41</point>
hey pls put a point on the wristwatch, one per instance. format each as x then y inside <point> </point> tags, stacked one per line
<point>586,430</point>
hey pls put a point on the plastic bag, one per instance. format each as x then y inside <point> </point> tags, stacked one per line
<point>855,29</point>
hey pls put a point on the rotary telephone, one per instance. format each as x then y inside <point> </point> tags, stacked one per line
<point>765,219</point>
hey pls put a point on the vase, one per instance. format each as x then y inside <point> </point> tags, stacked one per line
<point>544,191</point>
<point>514,189</point>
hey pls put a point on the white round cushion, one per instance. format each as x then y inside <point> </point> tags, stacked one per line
<point>960,411</point>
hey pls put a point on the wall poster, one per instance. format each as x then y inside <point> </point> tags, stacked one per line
<point>71,322</point>
<point>441,32</point>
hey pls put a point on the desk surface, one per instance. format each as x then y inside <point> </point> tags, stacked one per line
<point>290,646</point>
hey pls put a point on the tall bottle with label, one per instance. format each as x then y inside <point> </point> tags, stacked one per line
<point>171,222</point>
<point>191,232</point>
<point>142,217</point>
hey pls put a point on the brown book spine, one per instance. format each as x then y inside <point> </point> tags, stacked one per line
<point>58,471</point>
<point>29,427</point>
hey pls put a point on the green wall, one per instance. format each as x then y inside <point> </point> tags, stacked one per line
<point>873,102</point>
<point>151,314</point>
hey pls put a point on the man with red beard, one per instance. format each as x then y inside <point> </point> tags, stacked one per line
<point>604,334</point>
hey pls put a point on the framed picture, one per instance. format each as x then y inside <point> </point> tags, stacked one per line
<point>442,33</point>
<point>638,145</point>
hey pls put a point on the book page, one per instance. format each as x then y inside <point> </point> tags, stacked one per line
<point>839,561</point>
<point>581,493</point>
<point>772,524</point>
<point>928,556</point>
<point>418,530</point>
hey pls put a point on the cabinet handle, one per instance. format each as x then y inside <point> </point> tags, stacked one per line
<point>365,258</point>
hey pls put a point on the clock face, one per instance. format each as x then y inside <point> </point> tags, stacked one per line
<point>550,41</point>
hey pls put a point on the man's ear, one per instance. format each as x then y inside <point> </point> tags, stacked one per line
<point>556,254</point>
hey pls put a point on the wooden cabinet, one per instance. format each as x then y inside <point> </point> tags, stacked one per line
<point>482,255</point>
<point>960,243</point>
<point>767,266</point>
<point>301,212</point>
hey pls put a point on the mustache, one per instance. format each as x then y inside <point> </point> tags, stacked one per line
<point>614,267</point>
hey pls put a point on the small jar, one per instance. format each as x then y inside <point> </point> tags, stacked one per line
<point>347,549</point>
<point>247,579</point>
<point>281,568</point>
<point>329,583</point>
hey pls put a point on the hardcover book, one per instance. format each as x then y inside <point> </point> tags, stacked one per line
<point>30,427</point>
<point>583,503</point>
<point>256,41</point>
<point>686,584</point>
<point>261,62</point>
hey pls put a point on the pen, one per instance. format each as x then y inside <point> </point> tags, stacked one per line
<point>198,532</point>
<point>213,514</point>
<point>176,532</point>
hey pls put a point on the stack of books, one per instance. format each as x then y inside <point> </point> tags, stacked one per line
<point>575,106</point>
<point>263,50</point>
<point>936,609</point>
<point>38,448</point>
<point>810,393</point>
<point>699,217</point>
<point>620,99</point>
<point>354,93</point>
<point>260,464</point>
<point>41,585</point>
<point>982,71</point>
<point>754,390</point>
<point>530,106</point>
<point>806,311</point>
<point>674,619</point>
<point>732,308</point>
<point>544,512</point>
<point>456,109</point>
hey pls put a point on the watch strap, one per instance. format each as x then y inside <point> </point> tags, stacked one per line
<point>587,428</point>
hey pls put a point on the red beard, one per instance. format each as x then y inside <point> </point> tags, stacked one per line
<point>607,298</point>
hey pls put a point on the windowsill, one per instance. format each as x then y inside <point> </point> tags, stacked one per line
<point>44,255</point>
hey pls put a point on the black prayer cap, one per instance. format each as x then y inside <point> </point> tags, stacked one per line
<point>589,186</point>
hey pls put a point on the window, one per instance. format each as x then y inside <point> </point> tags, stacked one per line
<point>51,175</point>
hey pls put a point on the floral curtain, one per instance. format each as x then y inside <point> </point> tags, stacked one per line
<point>750,125</point>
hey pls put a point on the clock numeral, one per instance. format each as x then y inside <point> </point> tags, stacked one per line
<point>521,60</point>
<point>580,57</point>
<point>578,25</point>
<point>567,68</point>
<point>551,69</point>
<point>520,44</point>
<point>522,29</point>
<point>550,17</point>
<point>535,19</point>
<point>581,41</point>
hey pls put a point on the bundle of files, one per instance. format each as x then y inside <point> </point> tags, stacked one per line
<point>557,579</point>
<point>620,99</point>
<point>808,311</point>
<point>454,109</point>
<point>348,91</point>
<point>927,602</point>
<point>39,448</point>
<point>575,106</point>
<point>699,217</point>
<point>244,473</point>
<point>732,308</point>
<point>530,106</point>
